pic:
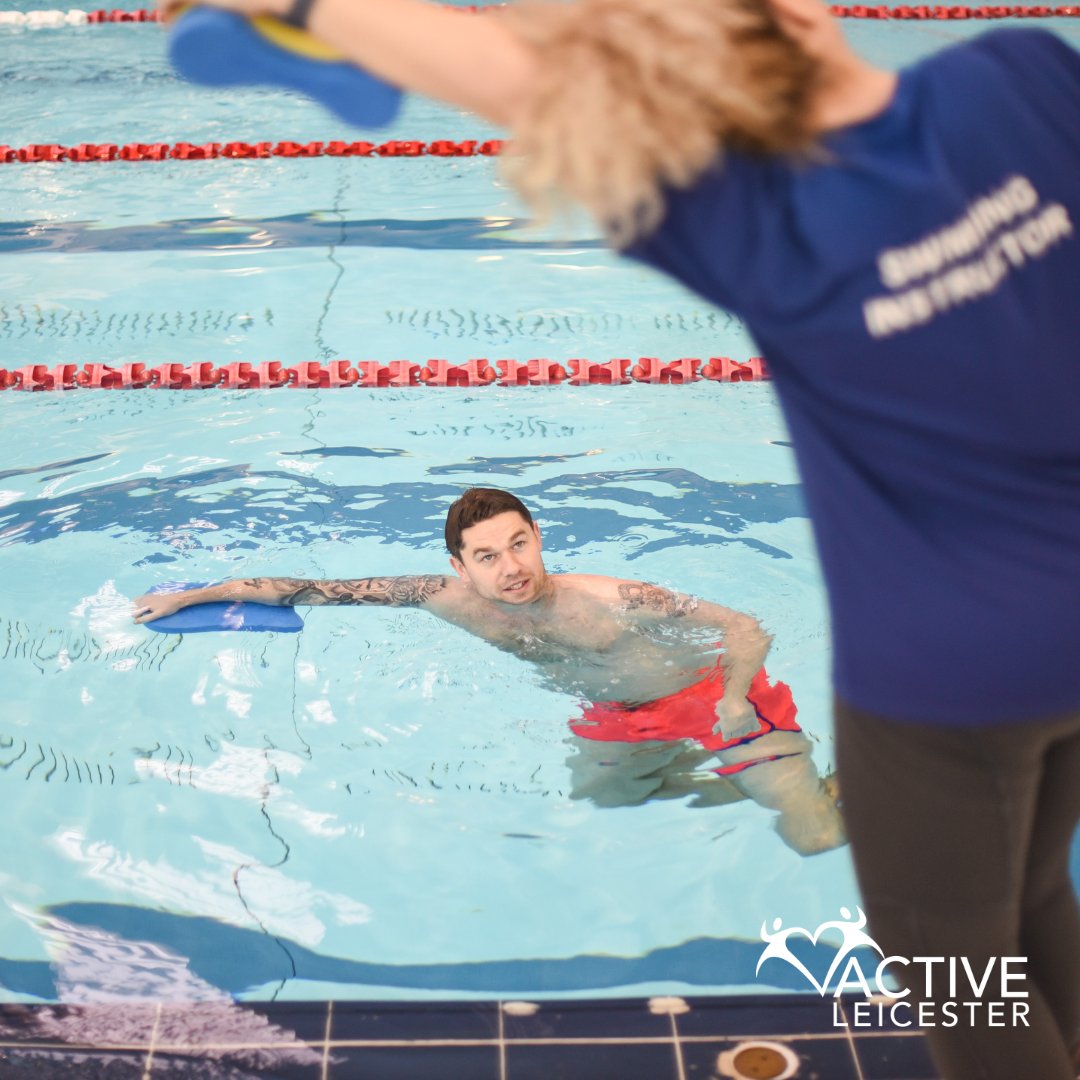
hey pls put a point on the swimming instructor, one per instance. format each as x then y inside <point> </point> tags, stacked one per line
<point>904,247</point>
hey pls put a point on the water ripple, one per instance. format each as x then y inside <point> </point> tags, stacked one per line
<point>288,231</point>
<point>227,508</point>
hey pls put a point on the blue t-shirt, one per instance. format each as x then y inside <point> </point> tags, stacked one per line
<point>917,296</point>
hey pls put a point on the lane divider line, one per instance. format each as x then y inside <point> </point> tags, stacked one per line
<point>340,374</point>
<point>51,153</point>
<point>51,19</point>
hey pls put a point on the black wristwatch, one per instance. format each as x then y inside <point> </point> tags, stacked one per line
<point>299,14</point>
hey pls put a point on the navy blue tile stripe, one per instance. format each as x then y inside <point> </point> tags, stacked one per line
<point>422,1040</point>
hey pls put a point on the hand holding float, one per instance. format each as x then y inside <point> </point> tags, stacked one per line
<point>472,61</point>
<point>230,44</point>
<point>166,609</point>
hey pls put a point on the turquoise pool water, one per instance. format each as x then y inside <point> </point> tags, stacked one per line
<point>380,791</point>
<point>379,806</point>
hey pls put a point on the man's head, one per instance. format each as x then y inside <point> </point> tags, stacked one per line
<point>494,546</point>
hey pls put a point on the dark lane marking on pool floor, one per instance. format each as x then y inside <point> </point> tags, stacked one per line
<point>288,231</point>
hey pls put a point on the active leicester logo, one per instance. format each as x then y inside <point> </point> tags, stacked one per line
<point>951,990</point>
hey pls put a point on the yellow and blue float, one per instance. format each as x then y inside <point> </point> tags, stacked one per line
<point>220,48</point>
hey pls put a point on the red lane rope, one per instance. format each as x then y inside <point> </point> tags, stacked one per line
<point>77,17</point>
<point>37,153</point>
<point>53,18</point>
<point>880,11</point>
<point>312,375</point>
<point>117,16</point>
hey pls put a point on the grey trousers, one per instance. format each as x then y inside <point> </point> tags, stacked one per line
<point>961,842</point>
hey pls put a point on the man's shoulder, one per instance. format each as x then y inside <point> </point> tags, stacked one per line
<point>624,592</point>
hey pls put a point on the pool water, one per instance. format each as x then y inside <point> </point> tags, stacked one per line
<point>379,790</point>
<point>378,806</point>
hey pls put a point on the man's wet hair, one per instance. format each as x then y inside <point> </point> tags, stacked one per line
<point>476,505</point>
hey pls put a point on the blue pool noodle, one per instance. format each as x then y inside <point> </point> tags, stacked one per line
<point>221,48</point>
<point>222,615</point>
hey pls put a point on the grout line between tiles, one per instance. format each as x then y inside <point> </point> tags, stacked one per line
<point>149,1064</point>
<point>585,1040</point>
<point>680,1068</point>
<point>640,1040</point>
<point>502,1042</point>
<point>325,1072</point>
<point>854,1052</point>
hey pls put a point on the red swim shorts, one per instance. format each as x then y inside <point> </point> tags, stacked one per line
<point>688,714</point>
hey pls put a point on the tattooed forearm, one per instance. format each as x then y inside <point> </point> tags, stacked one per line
<point>383,591</point>
<point>637,594</point>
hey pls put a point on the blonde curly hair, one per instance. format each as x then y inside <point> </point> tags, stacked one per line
<point>632,96</point>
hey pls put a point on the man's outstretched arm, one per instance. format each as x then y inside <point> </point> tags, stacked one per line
<point>411,591</point>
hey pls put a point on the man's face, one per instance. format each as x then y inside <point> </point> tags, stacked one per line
<point>501,559</point>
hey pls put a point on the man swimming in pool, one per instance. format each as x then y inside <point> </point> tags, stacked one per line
<point>664,700</point>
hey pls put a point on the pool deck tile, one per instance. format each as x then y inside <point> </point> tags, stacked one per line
<point>261,1065</point>
<point>779,1014</point>
<point>589,1061</point>
<point>416,1063</point>
<point>584,1020</point>
<point>307,1020</point>
<point>660,1038</point>
<point>124,1025</point>
<point>821,1058</point>
<point>895,1057</point>
<point>69,1064</point>
<point>359,1021</point>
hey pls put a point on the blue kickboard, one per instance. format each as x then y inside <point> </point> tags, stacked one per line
<point>200,618</point>
<point>221,48</point>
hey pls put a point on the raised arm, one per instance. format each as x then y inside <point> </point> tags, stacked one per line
<point>610,102</point>
<point>744,641</point>
<point>473,61</point>
<point>426,590</point>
